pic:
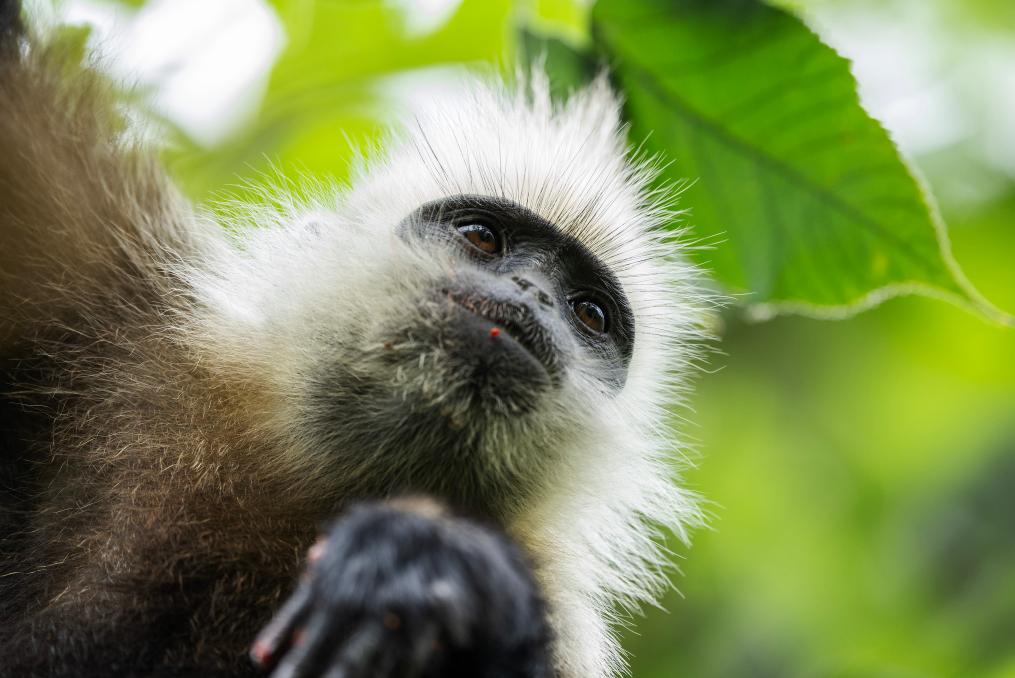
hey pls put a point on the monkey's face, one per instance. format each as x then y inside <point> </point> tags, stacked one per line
<point>519,305</point>
<point>491,334</point>
<point>474,318</point>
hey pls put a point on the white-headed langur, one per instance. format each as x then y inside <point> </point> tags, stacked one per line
<point>416,426</point>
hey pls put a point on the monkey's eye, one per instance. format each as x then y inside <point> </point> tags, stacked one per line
<point>482,237</point>
<point>590,314</point>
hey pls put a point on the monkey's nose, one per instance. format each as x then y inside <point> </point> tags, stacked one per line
<point>525,285</point>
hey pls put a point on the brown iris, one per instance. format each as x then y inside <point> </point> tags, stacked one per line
<point>482,237</point>
<point>591,314</point>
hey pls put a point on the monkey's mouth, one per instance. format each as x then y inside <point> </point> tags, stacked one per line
<point>505,322</point>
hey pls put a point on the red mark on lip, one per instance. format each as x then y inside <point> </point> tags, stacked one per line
<point>495,332</point>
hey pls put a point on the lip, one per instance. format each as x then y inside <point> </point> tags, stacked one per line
<point>518,324</point>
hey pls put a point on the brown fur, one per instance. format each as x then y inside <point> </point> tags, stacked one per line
<point>115,447</point>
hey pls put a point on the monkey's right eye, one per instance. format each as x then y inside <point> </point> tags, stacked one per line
<point>482,237</point>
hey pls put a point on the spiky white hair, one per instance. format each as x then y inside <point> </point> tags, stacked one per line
<point>593,528</point>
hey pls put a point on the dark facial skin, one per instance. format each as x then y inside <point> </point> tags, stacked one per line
<point>543,290</point>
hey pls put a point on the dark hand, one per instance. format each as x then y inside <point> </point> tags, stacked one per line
<point>405,591</point>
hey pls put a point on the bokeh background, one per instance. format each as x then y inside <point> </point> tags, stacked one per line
<point>861,473</point>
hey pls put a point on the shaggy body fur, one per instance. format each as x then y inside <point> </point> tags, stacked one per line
<point>166,457</point>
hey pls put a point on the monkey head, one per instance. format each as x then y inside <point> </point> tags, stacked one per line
<point>490,303</point>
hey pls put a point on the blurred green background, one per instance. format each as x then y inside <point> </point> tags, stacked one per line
<point>861,473</point>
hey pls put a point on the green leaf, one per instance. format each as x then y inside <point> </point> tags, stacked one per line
<point>805,198</point>
<point>326,93</point>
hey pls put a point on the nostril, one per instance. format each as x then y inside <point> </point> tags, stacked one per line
<point>524,284</point>
<point>521,282</point>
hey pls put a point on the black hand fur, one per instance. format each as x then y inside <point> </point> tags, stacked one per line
<point>399,592</point>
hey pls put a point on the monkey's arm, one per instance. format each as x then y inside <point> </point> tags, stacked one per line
<point>86,215</point>
<point>403,589</point>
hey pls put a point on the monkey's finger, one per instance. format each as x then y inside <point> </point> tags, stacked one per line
<point>309,654</point>
<point>275,638</point>
<point>358,656</point>
<point>386,651</point>
<point>426,644</point>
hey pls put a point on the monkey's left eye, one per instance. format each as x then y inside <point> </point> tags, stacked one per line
<point>590,314</point>
<point>482,237</point>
